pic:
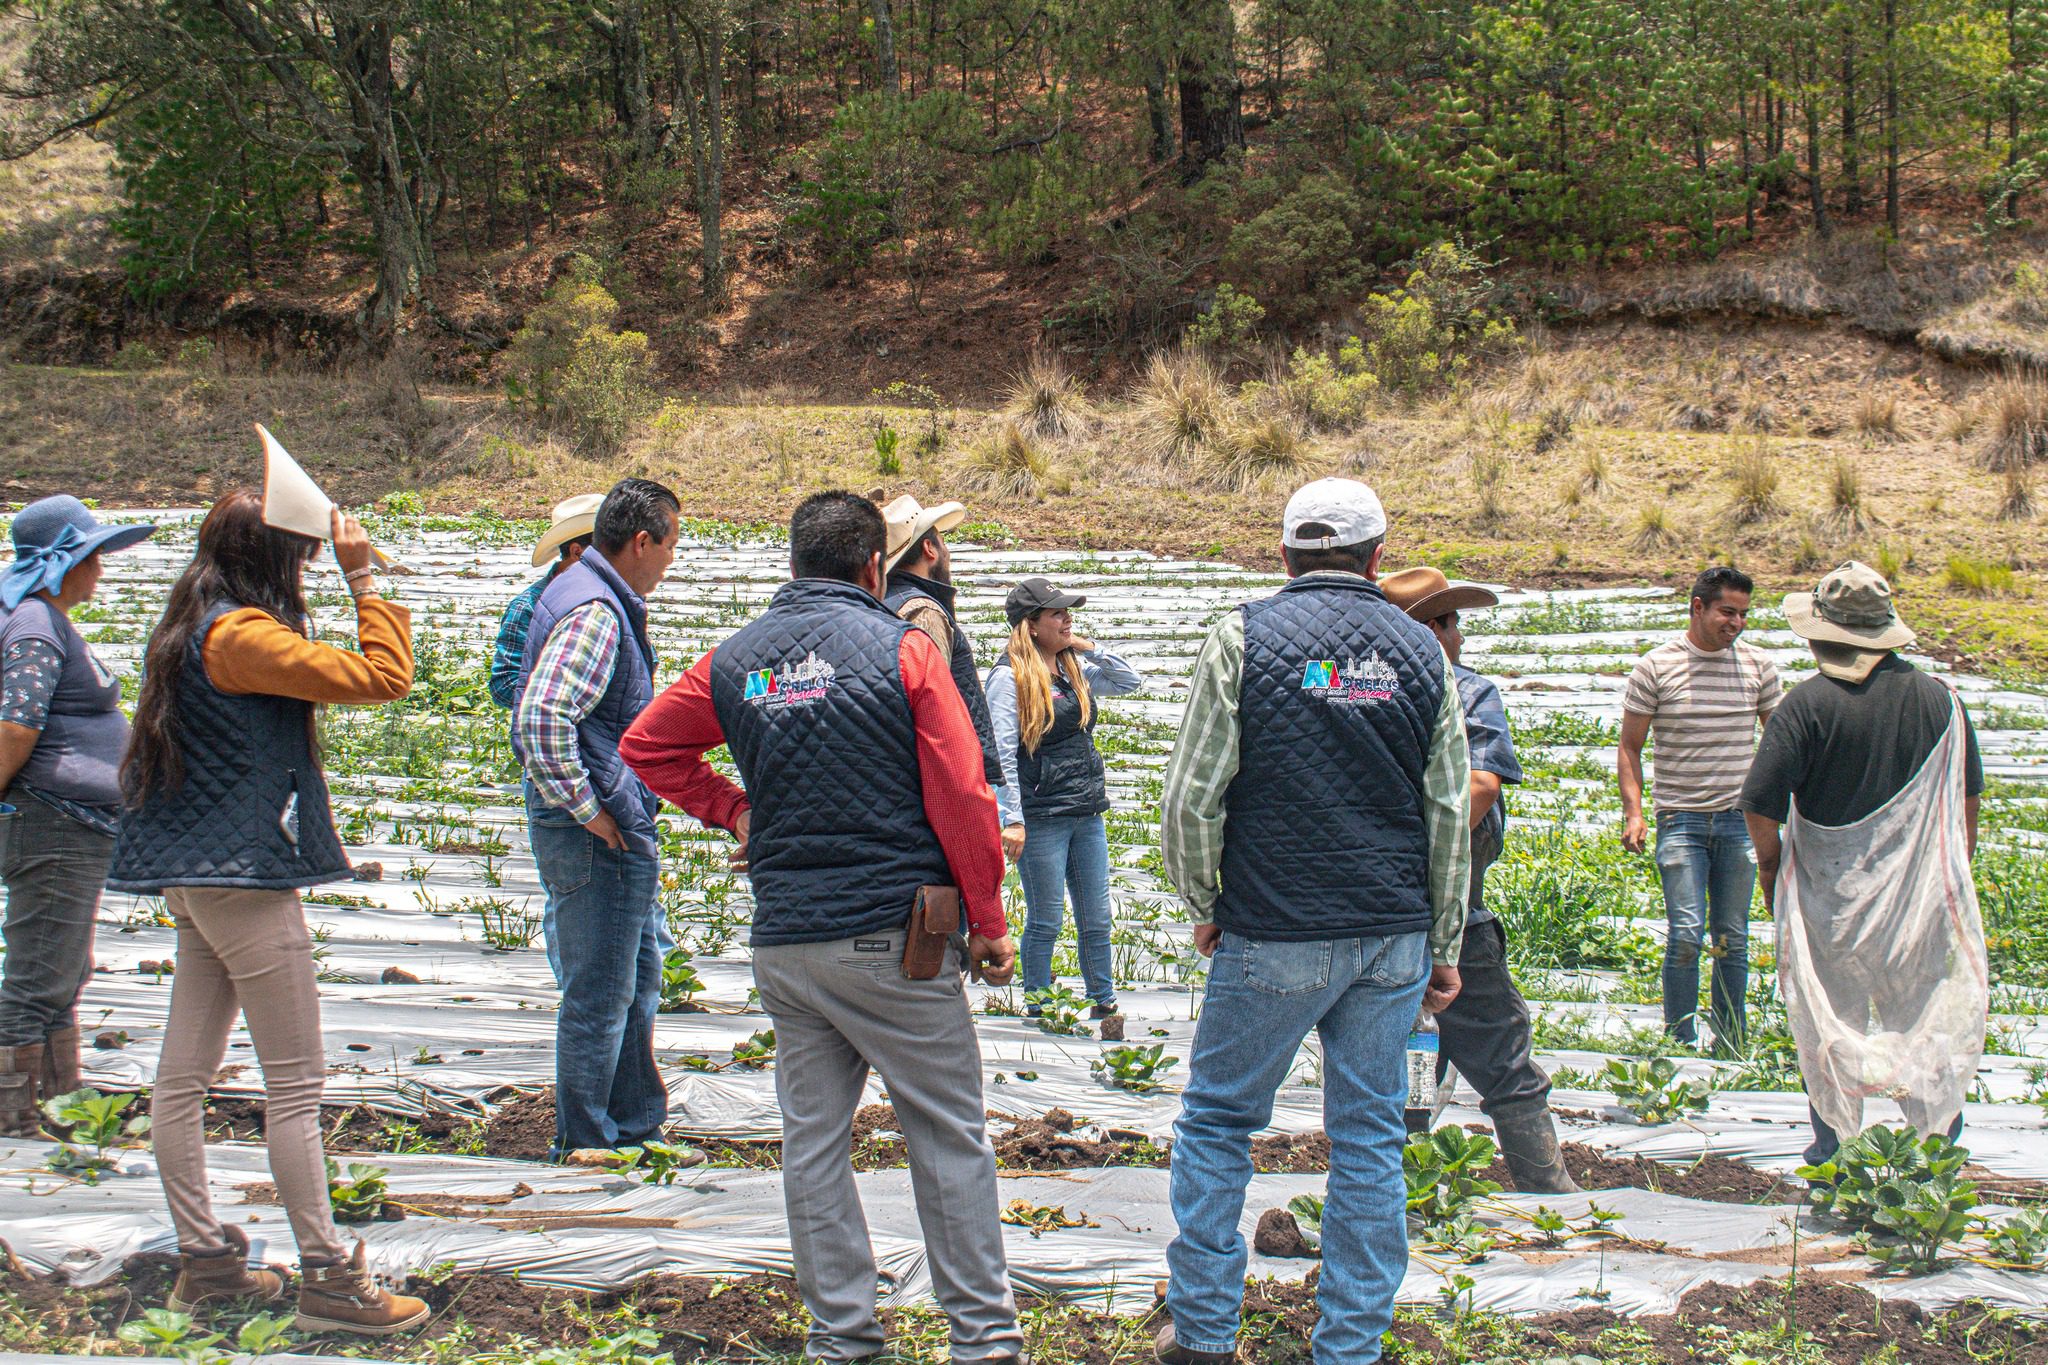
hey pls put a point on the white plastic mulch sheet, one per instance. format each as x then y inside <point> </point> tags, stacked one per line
<point>423,1015</point>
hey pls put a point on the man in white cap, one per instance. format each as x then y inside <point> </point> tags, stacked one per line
<point>568,536</point>
<point>919,588</point>
<point>1315,819</point>
<point>1872,769</point>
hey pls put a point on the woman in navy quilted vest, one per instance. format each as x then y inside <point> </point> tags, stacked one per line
<point>226,817</point>
<point>61,737</point>
<point>1041,698</point>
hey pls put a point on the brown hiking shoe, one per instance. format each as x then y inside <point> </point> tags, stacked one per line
<point>223,1276</point>
<point>21,1069</point>
<point>342,1297</point>
<point>1168,1351</point>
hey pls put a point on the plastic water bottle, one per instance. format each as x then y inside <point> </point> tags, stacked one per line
<point>1422,1056</point>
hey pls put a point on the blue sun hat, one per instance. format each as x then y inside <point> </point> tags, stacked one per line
<point>53,535</point>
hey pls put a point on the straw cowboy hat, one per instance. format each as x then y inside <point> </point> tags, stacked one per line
<point>1425,594</point>
<point>908,523</point>
<point>1849,620</point>
<point>572,518</point>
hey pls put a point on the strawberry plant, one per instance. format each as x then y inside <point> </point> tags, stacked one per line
<point>1057,1008</point>
<point>679,982</point>
<point>1652,1091</point>
<point>358,1197</point>
<point>1133,1068</point>
<point>2021,1241</point>
<point>1900,1193</point>
<point>94,1121</point>
<point>757,1051</point>
<point>1442,1171</point>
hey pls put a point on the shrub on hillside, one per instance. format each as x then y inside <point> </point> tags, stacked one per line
<point>575,369</point>
<point>889,171</point>
<point>1301,256</point>
<point>1426,333</point>
<point>1229,327</point>
<point>1322,392</point>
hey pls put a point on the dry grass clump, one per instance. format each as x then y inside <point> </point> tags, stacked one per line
<point>2018,502</point>
<point>2019,422</point>
<point>1553,429</point>
<point>1960,424</point>
<point>1876,415</point>
<point>1594,477</point>
<point>1489,483</point>
<point>1181,406</point>
<point>1047,400</point>
<point>1891,561</point>
<point>1258,449</point>
<point>1846,516</point>
<point>1654,530</point>
<point>1009,463</point>
<point>1757,415</point>
<point>1756,476</point>
<point>1692,410</point>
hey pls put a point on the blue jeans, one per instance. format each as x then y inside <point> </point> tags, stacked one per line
<point>1709,874</point>
<point>608,1091</point>
<point>1066,858</point>
<point>1361,998</point>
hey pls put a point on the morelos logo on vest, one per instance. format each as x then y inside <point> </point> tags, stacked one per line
<point>1370,680</point>
<point>797,684</point>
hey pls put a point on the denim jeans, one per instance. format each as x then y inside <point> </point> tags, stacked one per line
<point>1709,874</point>
<point>54,868</point>
<point>1361,998</point>
<point>608,1091</point>
<point>1066,858</point>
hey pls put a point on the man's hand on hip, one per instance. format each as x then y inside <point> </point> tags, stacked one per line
<point>1207,936</point>
<point>1442,989</point>
<point>741,828</point>
<point>606,830</point>
<point>993,960</point>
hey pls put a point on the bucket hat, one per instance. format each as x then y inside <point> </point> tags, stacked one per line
<point>53,535</point>
<point>1850,620</point>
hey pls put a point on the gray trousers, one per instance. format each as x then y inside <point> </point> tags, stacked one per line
<point>55,869</point>
<point>840,1008</point>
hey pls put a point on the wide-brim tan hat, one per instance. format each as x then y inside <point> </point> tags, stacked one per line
<point>573,517</point>
<point>909,522</point>
<point>1852,606</point>
<point>1425,594</point>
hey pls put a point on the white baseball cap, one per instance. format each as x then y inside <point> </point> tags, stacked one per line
<point>1349,508</point>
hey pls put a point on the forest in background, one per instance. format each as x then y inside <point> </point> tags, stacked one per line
<point>1255,165</point>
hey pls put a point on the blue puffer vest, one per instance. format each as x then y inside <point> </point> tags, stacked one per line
<point>810,695</point>
<point>901,588</point>
<point>252,811</point>
<point>619,790</point>
<point>1324,836</point>
<point>1064,778</point>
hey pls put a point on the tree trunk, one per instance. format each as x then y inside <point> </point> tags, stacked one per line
<point>1211,95</point>
<point>403,257</point>
<point>1852,161</point>
<point>885,45</point>
<point>1891,115</point>
<point>1157,114</point>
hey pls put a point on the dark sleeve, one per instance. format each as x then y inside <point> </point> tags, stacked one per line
<point>1973,765</point>
<point>1782,759</point>
<point>1486,729</point>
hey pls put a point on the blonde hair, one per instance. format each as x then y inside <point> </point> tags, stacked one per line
<point>1034,686</point>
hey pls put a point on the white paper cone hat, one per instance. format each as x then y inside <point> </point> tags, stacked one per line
<point>291,500</point>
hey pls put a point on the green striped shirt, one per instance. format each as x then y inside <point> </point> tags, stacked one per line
<point>1204,762</point>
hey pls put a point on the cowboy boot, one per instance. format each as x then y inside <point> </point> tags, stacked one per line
<point>1528,1140</point>
<point>21,1069</point>
<point>223,1276</point>
<point>341,1296</point>
<point>61,1072</point>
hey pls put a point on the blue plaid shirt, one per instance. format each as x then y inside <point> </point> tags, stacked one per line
<point>511,650</point>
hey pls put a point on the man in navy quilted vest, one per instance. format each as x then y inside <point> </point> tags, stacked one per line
<point>588,671</point>
<point>1314,819</point>
<point>863,786</point>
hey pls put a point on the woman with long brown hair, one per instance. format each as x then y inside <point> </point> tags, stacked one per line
<point>1041,698</point>
<point>226,817</point>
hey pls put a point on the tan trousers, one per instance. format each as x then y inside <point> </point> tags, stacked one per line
<point>245,951</point>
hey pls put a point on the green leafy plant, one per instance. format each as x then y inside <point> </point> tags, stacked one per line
<point>887,461</point>
<point>1902,1194</point>
<point>1308,1216</point>
<point>1442,1172</point>
<point>630,1347</point>
<point>358,1197</point>
<point>659,1163</point>
<point>1059,1009</point>
<point>679,982</point>
<point>2021,1241</point>
<point>164,1331</point>
<point>506,927</point>
<point>95,1122</point>
<point>1134,1067</point>
<point>1652,1090</point>
<point>1041,1219</point>
<point>757,1051</point>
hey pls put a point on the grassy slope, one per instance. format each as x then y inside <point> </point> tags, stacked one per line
<point>169,436</point>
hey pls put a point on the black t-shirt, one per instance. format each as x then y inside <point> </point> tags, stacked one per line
<point>1844,749</point>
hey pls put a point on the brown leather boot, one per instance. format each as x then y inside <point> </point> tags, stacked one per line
<point>21,1069</point>
<point>342,1297</point>
<point>223,1276</point>
<point>61,1074</point>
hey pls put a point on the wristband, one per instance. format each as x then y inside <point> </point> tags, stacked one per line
<point>354,575</point>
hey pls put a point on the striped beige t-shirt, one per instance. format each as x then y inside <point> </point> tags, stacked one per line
<point>1705,710</point>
